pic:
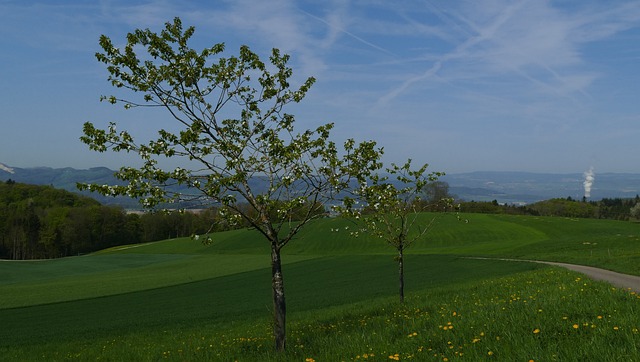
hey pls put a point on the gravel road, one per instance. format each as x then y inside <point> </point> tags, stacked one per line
<point>626,281</point>
<point>620,280</point>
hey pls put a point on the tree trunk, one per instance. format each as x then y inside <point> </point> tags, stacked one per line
<point>401,273</point>
<point>279,305</point>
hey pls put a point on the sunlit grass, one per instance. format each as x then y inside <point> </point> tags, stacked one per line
<point>541,315</point>
<point>180,300</point>
<point>311,284</point>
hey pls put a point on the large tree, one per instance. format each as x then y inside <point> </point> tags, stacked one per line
<point>389,207</point>
<point>237,144</point>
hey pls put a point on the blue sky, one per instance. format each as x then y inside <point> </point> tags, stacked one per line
<point>540,86</point>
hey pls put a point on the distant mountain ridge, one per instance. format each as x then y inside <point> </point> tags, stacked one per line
<point>505,187</point>
<point>529,187</point>
<point>66,179</point>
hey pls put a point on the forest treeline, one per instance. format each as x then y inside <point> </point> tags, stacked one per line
<point>41,222</point>
<point>607,208</point>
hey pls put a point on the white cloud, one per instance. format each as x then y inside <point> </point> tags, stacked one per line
<point>273,24</point>
<point>530,39</point>
<point>420,75</point>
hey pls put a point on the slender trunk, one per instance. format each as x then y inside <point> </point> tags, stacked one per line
<point>401,273</point>
<point>279,305</point>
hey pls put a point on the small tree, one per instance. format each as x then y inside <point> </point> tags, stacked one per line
<point>254,166</point>
<point>635,211</point>
<point>392,206</point>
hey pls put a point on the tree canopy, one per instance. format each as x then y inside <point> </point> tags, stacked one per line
<point>234,130</point>
<point>387,207</point>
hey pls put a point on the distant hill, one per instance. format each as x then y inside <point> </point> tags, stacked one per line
<point>43,196</point>
<point>66,179</point>
<point>526,187</point>
<point>505,187</point>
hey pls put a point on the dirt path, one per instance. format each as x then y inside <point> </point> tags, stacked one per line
<point>620,280</point>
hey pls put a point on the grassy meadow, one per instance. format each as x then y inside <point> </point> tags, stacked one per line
<point>180,300</point>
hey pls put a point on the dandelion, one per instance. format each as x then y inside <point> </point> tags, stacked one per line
<point>615,328</point>
<point>575,326</point>
<point>490,353</point>
<point>536,331</point>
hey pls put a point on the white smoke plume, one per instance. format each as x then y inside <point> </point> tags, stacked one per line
<point>5,168</point>
<point>589,176</point>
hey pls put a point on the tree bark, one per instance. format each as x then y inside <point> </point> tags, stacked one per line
<point>401,273</point>
<point>279,304</point>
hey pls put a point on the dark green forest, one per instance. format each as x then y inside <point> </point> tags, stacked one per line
<point>39,222</point>
<point>607,208</point>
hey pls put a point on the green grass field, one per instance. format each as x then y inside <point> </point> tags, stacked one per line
<point>181,300</point>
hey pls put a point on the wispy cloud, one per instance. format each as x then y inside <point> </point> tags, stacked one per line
<point>529,39</point>
<point>423,74</point>
<point>272,24</point>
<point>334,23</point>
